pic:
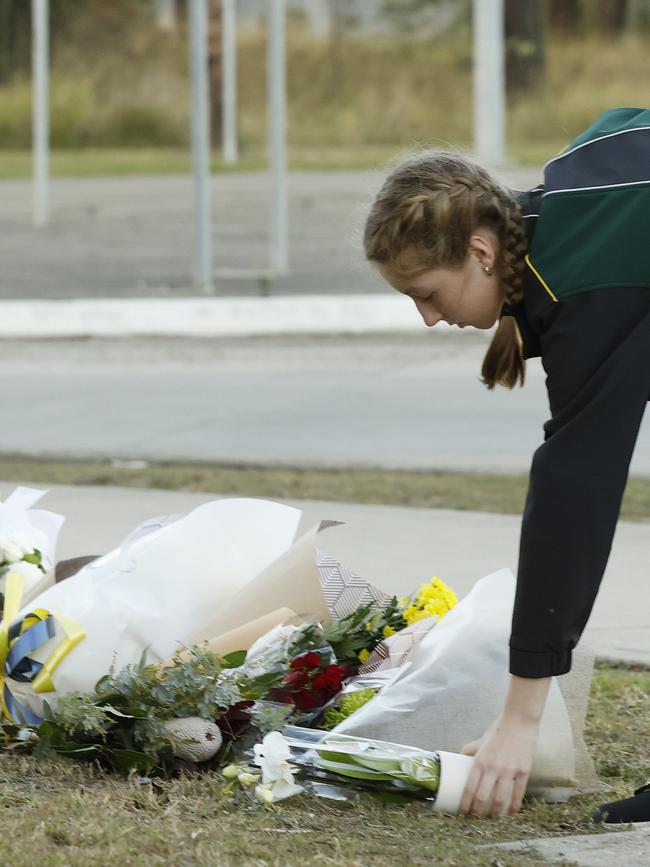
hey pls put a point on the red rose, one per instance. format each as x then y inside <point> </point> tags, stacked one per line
<point>309,699</point>
<point>306,662</point>
<point>296,680</point>
<point>330,678</point>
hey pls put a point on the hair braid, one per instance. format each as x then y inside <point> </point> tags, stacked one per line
<point>423,218</point>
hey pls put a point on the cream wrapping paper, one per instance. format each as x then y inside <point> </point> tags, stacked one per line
<point>243,637</point>
<point>293,580</point>
<point>153,592</point>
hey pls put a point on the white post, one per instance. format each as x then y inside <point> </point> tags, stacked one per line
<point>489,80</point>
<point>229,80</point>
<point>201,142</point>
<point>277,120</point>
<point>40,110</point>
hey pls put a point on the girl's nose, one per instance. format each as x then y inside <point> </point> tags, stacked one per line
<point>428,313</point>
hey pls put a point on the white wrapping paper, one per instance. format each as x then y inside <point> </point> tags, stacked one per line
<point>39,527</point>
<point>159,587</point>
<point>453,687</point>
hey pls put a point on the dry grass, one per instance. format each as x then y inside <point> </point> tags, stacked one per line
<point>352,101</point>
<point>66,814</point>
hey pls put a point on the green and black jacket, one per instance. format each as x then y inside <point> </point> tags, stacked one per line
<point>586,312</point>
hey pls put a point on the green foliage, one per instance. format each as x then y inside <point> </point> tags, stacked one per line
<point>121,723</point>
<point>347,705</point>
<point>362,630</point>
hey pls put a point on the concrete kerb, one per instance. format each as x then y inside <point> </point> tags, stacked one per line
<point>209,317</point>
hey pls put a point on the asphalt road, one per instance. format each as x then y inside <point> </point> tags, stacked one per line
<point>410,402</point>
<point>134,236</point>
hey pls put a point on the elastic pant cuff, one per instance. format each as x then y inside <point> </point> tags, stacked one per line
<point>526,663</point>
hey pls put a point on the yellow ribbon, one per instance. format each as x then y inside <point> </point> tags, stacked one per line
<point>74,634</point>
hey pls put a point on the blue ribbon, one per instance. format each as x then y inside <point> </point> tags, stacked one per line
<point>19,667</point>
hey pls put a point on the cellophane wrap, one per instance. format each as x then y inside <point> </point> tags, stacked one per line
<point>453,686</point>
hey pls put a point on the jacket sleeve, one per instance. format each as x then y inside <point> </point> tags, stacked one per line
<point>596,354</point>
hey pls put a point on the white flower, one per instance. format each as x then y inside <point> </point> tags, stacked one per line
<point>10,551</point>
<point>22,541</point>
<point>272,756</point>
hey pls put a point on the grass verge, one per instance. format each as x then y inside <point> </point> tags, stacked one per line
<point>61,813</point>
<point>97,162</point>
<point>480,492</point>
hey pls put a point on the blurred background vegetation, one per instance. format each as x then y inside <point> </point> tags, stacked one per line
<point>365,77</point>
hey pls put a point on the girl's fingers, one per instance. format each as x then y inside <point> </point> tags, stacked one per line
<point>518,792</point>
<point>503,793</point>
<point>471,786</point>
<point>470,749</point>
<point>482,802</point>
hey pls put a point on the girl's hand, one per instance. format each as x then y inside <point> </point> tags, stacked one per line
<point>504,756</point>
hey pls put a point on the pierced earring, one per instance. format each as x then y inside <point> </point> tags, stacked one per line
<point>489,271</point>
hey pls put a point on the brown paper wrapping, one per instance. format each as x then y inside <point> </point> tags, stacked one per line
<point>244,636</point>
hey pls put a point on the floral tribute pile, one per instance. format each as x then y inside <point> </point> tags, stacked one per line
<point>202,711</point>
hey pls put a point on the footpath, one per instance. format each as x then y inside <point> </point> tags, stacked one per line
<point>396,548</point>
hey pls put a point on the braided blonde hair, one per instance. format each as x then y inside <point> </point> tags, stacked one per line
<point>424,216</point>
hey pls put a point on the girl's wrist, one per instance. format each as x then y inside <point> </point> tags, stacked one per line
<point>526,700</point>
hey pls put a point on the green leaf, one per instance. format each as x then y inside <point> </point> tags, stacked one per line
<point>115,712</point>
<point>73,752</point>
<point>234,659</point>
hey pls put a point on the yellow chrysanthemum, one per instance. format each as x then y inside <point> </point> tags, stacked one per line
<point>363,655</point>
<point>434,599</point>
<point>387,631</point>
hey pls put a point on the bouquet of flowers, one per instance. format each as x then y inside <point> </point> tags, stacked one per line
<point>27,542</point>
<point>260,668</point>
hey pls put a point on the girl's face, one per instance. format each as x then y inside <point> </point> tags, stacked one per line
<point>460,296</point>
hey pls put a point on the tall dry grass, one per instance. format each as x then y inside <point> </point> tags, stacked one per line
<point>124,84</point>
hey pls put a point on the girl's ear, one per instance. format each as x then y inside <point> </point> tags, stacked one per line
<point>483,246</point>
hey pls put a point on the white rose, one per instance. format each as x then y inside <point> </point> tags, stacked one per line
<point>10,552</point>
<point>22,541</point>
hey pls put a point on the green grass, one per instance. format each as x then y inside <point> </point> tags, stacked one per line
<point>482,492</point>
<point>95,162</point>
<point>92,162</point>
<point>59,813</point>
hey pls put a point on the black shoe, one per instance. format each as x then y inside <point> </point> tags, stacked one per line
<point>635,809</point>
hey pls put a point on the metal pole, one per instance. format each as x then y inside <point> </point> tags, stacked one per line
<point>277,119</point>
<point>40,110</point>
<point>201,142</point>
<point>489,80</point>
<point>229,80</point>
